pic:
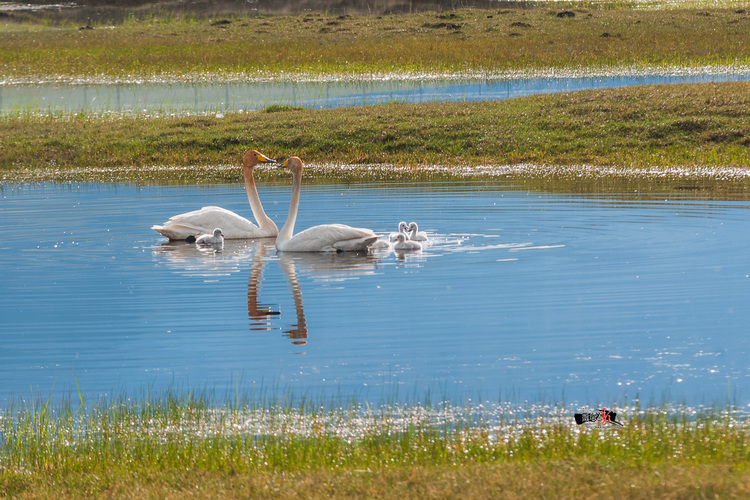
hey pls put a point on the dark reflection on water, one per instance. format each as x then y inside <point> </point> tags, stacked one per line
<point>298,331</point>
<point>518,295</point>
<point>258,312</point>
<point>199,98</point>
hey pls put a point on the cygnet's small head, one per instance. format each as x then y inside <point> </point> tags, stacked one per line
<point>413,227</point>
<point>400,238</point>
<point>218,233</point>
<point>402,227</point>
<point>293,163</point>
<point>254,157</point>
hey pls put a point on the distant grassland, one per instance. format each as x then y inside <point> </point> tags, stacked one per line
<point>550,36</point>
<point>694,127</point>
<point>699,126</point>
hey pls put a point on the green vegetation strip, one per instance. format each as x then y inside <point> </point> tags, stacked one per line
<point>531,37</point>
<point>697,136</point>
<point>183,444</point>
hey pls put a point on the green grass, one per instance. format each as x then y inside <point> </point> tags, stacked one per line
<point>496,41</point>
<point>172,444</point>
<point>701,130</point>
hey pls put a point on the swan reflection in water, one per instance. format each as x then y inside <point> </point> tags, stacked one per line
<point>258,313</point>
<point>191,260</point>
<point>298,331</point>
<point>328,268</point>
<point>331,270</point>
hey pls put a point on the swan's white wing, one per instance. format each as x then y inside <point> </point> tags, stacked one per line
<point>177,231</point>
<point>356,244</point>
<point>330,237</point>
<point>206,220</point>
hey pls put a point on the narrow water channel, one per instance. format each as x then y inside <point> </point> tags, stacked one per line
<point>200,98</point>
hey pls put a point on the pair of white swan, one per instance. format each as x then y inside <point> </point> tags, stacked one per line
<point>322,238</point>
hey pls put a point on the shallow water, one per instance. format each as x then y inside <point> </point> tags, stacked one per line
<point>519,295</point>
<point>187,98</point>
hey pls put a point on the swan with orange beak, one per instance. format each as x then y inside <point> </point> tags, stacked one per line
<point>322,238</point>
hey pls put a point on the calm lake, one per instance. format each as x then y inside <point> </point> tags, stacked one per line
<point>519,295</point>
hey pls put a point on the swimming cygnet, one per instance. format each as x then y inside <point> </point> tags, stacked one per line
<point>415,233</point>
<point>211,239</point>
<point>404,245</point>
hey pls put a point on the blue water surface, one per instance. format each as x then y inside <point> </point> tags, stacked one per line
<point>519,296</point>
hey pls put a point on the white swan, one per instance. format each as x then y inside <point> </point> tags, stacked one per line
<point>215,239</point>
<point>404,245</point>
<point>182,226</point>
<point>415,233</point>
<point>323,238</point>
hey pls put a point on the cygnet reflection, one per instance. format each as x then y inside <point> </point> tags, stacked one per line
<point>328,268</point>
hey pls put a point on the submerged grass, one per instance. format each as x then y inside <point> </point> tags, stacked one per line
<point>182,444</point>
<point>521,36</point>
<point>693,136</point>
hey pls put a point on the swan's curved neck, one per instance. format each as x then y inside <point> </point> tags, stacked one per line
<point>287,231</point>
<point>264,222</point>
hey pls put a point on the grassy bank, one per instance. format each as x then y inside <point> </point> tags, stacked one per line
<point>156,447</point>
<point>700,129</point>
<point>534,37</point>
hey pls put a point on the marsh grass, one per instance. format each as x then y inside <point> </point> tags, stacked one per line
<point>693,137</point>
<point>176,442</point>
<point>531,37</point>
